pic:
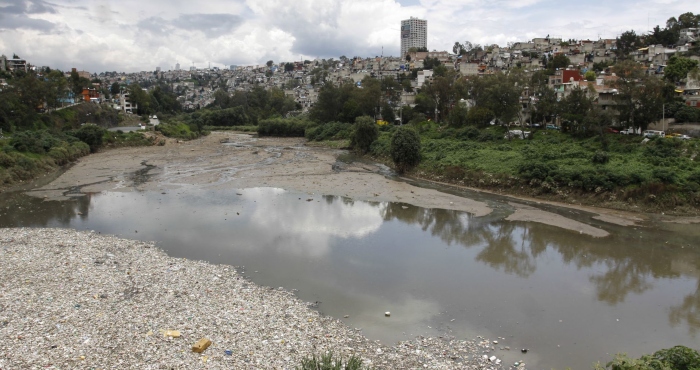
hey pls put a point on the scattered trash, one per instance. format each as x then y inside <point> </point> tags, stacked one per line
<point>172,333</point>
<point>524,350</point>
<point>201,345</point>
<point>228,352</point>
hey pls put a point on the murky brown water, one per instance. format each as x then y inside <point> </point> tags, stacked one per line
<point>570,299</point>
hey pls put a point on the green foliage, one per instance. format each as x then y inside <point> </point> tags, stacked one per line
<point>38,142</point>
<point>600,157</point>
<point>284,127</point>
<point>687,114</point>
<point>327,362</point>
<point>589,76</point>
<point>365,134</point>
<point>90,135</point>
<point>676,358</point>
<point>480,116</point>
<point>32,153</point>
<point>178,130</point>
<point>405,149</point>
<point>677,68</point>
<point>329,131</point>
<point>122,139</point>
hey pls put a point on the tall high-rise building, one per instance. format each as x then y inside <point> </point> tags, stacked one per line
<point>414,34</point>
<point>177,66</point>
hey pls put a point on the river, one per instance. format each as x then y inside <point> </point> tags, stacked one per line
<point>570,299</point>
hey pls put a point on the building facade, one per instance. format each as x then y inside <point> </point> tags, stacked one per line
<point>414,34</point>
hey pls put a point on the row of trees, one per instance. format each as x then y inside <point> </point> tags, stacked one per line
<point>254,105</point>
<point>629,41</point>
<point>512,96</point>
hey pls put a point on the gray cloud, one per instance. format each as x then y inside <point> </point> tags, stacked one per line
<point>26,7</point>
<point>13,22</point>
<point>212,25</point>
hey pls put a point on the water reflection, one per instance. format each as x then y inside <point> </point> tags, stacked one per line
<point>425,265</point>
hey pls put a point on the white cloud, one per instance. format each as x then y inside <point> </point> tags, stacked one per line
<point>133,35</point>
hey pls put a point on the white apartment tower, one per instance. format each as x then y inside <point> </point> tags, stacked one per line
<point>414,34</point>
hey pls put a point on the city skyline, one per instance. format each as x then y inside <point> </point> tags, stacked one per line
<point>102,36</point>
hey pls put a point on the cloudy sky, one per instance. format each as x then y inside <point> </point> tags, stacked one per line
<point>136,35</point>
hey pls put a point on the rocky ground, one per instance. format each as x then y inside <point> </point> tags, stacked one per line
<point>79,300</point>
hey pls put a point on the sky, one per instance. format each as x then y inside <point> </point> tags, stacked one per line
<point>140,35</point>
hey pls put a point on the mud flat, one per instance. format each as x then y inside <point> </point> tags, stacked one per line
<point>225,160</point>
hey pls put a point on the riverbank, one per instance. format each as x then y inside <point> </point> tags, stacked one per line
<point>74,299</point>
<point>225,160</point>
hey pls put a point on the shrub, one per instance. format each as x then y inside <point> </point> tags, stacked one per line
<point>91,135</point>
<point>329,131</point>
<point>676,358</point>
<point>468,133</point>
<point>535,170</point>
<point>480,116</point>
<point>327,362</point>
<point>666,175</point>
<point>38,142</point>
<point>177,130</point>
<point>687,114</point>
<point>283,127</point>
<point>405,149</point>
<point>600,157</point>
<point>365,134</point>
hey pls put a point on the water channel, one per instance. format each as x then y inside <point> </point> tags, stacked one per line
<point>570,299</point>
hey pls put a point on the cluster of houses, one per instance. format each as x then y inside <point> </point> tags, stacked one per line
<point>301,80</point>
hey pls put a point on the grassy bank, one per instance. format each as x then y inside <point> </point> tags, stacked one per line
<point>609,170</point>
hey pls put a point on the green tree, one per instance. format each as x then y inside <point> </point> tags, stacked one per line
<point>115,88</point>
<point>558,61</point>
<point>480,116</point>
<point>405,149</point>
<point>678,68</point>
<point>365,134</point>
<point>589,76</point>
<point>546,106</point>
<point>627,42</point>
<point>575,107</point>
<point>458,116</point>
<point>56,88</point>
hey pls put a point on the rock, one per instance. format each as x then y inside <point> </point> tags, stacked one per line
<point>387,314</point>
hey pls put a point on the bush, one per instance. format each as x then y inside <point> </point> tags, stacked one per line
<point>91,135</point>
<point>676,358</point>
<point>600,157</point>
<point>327,362</point>
<point>365,134</point>
<point>329,131</point>
<point>405,149</point>
<point>178,130</point>
<point>285,127</point>
<point>687,114</point>
<point>38,142</point>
